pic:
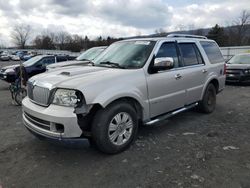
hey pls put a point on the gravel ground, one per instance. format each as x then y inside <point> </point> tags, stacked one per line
<point>188,150</point>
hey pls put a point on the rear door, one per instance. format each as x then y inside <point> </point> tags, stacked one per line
<point>217,62</point>
<point>194,72</point>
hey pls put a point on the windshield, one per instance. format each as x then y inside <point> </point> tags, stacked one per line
<point>126,54</point>
<point>90,54</point>
<point>240,59</point>
<point>32,61</point>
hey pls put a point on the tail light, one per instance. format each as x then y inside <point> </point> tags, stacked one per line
<point>225,69</point>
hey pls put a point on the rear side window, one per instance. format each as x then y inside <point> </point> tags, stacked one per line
<point>213,52</point>
<point>189,54</point>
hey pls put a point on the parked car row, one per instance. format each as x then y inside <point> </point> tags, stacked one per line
<point>41,63</point>
<point>15,56</point>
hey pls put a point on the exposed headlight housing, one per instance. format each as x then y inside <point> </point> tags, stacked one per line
<point>67,97</point>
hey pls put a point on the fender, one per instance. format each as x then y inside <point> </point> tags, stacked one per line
<point>111,94</point>
<point>206,84</point>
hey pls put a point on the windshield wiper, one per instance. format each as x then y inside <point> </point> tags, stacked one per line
<point>112,64</point>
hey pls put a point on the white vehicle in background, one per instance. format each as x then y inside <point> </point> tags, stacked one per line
<point>4,56</point>
<point>86,57</point>
<point>15,58</point>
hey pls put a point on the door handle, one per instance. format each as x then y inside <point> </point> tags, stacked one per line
<point>204,70</point>
<point>178,76</point>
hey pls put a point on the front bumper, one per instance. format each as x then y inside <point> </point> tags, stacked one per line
<point>54,122</point>
<point>237,78</point>
<point>10,78</point>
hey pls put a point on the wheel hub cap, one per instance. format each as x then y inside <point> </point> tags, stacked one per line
<point>120,128</point>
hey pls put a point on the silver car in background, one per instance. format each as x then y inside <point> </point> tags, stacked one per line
<point>86,57</point>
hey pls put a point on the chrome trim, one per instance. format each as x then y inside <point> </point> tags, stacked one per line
<point>43,85</point>
<point>168,115</point>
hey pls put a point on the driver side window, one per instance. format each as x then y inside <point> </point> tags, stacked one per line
<point>168,49</point>
<point>39,63</point>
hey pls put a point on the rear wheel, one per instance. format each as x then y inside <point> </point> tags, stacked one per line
<point>115,127</point>
<point>208,102</point>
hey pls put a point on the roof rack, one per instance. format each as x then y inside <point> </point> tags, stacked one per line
<point>186,36</point>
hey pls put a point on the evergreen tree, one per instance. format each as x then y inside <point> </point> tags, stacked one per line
<point>217,33</point>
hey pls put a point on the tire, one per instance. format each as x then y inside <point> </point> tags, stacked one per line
<point>208,102</point>
<point>111,133</point>
<point>19,96</point>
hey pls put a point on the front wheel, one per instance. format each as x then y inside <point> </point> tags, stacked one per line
<point>20,95</point>
<point>208,102</point>
<point>115,127</point>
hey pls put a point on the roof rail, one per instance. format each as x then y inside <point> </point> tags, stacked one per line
<point>186,36</point>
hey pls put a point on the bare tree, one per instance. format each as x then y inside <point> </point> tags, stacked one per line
<point>62,37</point>
<point>241,24</point>
<point>20,35</point>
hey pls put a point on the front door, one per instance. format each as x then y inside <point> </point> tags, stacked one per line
<point>166,89</point>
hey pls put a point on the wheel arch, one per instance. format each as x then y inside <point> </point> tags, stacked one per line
<point>213,81</point>
<point>132,101</point>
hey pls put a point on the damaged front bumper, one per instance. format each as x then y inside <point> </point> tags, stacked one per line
<point>54,122</point>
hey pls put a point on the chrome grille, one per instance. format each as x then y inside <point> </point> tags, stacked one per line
<point>38,94</point>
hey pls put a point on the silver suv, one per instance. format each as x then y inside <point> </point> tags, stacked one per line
<point>136,81</point>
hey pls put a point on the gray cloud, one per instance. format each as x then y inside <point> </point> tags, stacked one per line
<point>115,17</point>
<point>141,14</point>
<point>71,7</point>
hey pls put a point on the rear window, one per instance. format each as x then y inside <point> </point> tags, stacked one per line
<point>213,52</point>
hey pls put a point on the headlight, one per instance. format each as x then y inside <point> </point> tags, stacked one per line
<point>67,97</point>
<point>246,71</point>
<point>9,71</point>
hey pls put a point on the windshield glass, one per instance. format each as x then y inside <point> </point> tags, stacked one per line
<point>32,61</point>
<point>127,54</point>
<point>90,54</point>
<point>240,59</point>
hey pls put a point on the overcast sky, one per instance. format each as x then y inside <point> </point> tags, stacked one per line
<point>117,18</point>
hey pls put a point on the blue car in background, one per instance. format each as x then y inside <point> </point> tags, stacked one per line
<point>33,66</point>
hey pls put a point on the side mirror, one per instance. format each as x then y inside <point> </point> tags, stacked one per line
<point>163,63</point>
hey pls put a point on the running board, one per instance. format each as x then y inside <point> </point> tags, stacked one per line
<point>168,115</point>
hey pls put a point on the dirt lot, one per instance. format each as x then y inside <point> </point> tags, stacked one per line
<point>188,150</point>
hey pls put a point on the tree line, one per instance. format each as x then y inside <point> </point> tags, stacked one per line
<point>61,40</point>
<point>235,35</point>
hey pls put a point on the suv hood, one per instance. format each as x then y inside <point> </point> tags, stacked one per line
<point>238,66</point>
<point>77,77</point>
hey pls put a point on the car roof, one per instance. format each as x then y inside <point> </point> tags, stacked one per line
<point>166,38</point>
<point>171,37</point>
